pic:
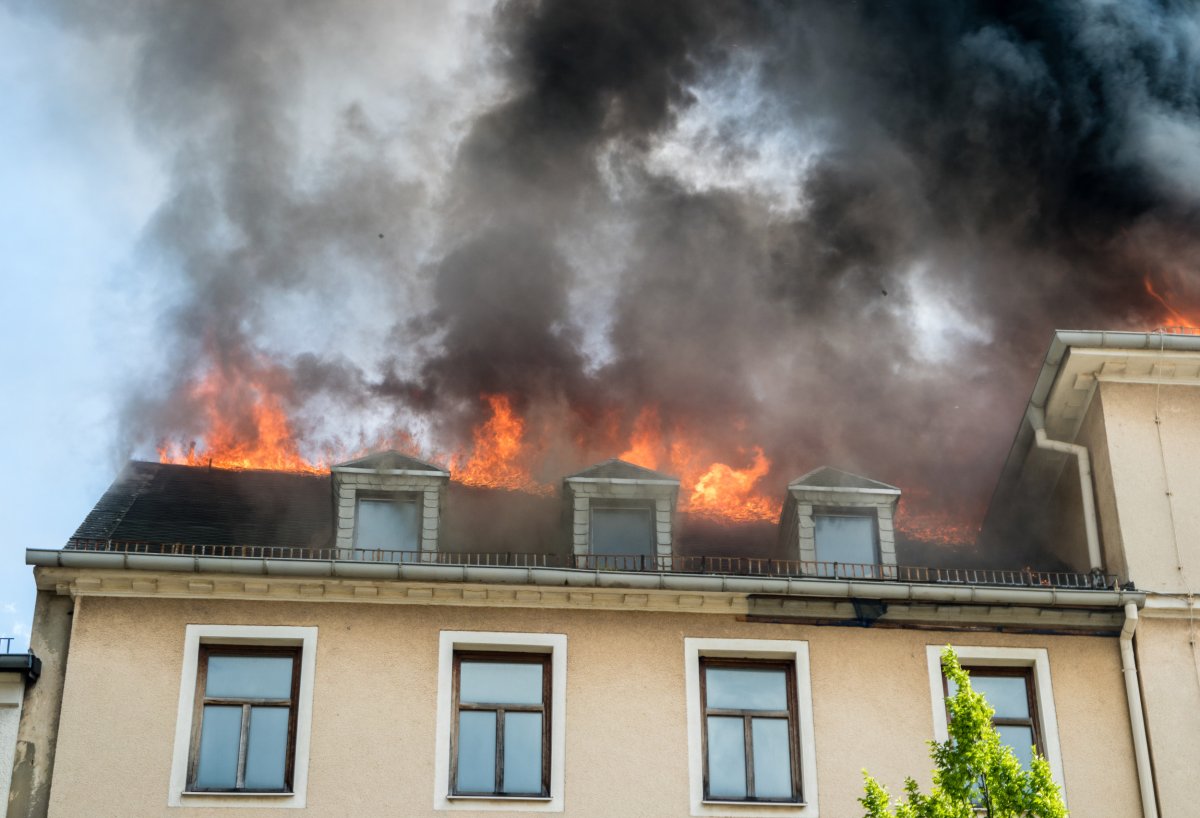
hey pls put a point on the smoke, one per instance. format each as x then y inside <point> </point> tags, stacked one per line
<point>841,232</point>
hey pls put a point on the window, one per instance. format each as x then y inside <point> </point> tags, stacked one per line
<point>245,711</point>
<point>245,721</point>
<point>1010,692</point>
<point>501,735</point>
<point>1016,682</point>
<point>624,532</point>
<point>387,524</point>
<point>845,537</point>
<point>501,721</point>
<point>750,736</point>
<point>750,733</point>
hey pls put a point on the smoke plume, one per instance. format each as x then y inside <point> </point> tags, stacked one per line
<point>839,232</point>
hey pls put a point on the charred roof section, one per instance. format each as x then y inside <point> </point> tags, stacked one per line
<point>162,503</point>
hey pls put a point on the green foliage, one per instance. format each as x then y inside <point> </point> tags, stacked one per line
<point>975,774</point>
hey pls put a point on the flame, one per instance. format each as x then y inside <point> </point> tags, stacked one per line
<point>1178,322</point>
<point>723,491</point>
<point>645,443</point>
<point>247,425</point>
<point>921,523</point>
<point>496,459</point>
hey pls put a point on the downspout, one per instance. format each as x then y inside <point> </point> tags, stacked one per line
<point>1133,693</point>
<point>1037,419</point>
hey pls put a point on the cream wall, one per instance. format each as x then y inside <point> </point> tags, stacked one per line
<point>375,691</point>
<point>1171,692</point>
<point>12,690</point>
<point>1141,472</point>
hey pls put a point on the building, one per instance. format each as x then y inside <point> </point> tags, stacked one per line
<point>380,640</point>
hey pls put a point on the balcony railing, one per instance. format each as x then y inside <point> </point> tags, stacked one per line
<point>679,564</point>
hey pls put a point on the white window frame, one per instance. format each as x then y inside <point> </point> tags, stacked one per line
<point>243,636</point>
<point>777,649</point>
<point>554,644</point>
<point>1036,658</point>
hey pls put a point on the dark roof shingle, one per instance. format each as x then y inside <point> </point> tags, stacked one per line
<point>163,503</point>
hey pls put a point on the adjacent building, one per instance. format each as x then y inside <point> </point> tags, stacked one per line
<point>381,640</point>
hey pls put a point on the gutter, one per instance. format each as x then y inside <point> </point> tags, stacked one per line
<point>26,664</point>
<point>1037,420</point>
<point>885,590</point>
<point>1133,695</point>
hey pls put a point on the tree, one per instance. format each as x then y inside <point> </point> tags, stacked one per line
<point>975,774</point>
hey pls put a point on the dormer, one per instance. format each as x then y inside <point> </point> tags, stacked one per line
<point>621,512</point>
<point>839,521</point>
<point>388,506</point>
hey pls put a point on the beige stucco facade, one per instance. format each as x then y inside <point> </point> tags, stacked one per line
<point>373,724</point>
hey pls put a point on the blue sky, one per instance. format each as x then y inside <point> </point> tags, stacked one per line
<point>77,192</point>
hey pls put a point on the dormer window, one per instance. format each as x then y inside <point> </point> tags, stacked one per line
<point>388,524</point>
<point>840,524</point>
<point>844,537</point>
<point>628,529</point>
<point>389,507</point>
<point>621,517</point>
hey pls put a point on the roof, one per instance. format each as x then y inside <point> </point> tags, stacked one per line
<point>826,477</point>
<point>615,469</point>
<point>390,460</point>
<point>164,503</point>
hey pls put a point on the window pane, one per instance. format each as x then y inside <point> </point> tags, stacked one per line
<point>476,752</point>
<point>772,758</point>
<point>500,683</point>
<point>845,539</point>
<point>523,752</point>
<point>622,531</point>
<point>266,749</point>
<point>1008,695</point>
<point>1021,741</point>
<point>746,688</point>
<point>220,737</point>
<point>249,677</point>
<point>387,524</point>
<point>726,757</point>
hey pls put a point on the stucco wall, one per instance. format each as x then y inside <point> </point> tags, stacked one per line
<point>375,690</point>
<point>1171,692</point>
<point>1142,470</point>
<point>12,688</point>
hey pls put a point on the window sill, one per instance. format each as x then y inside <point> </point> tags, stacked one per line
<point>503,798</point>
<point>783,804</point>
<point>207,793</point>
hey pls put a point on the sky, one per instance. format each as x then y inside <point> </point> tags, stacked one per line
<point>748,230</point>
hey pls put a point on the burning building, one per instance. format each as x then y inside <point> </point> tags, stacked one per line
<point>390,634</point>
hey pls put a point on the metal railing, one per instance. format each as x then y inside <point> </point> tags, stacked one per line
<point>677,564</point>
<point>6,644</point>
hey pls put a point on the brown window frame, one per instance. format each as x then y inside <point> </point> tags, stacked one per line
<point>209,650</point>
<point>789,669</point>
<point>1009,671</point>
<point>457,707</point>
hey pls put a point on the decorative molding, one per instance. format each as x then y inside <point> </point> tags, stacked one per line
<point>934,614</point>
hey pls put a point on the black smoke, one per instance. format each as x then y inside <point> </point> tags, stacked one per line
<point>612,227</point>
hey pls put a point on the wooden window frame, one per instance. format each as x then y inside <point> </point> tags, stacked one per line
<point>205,652</point>
<point>789,671</point>
<point>1026,673</point>
<point>545,708</point>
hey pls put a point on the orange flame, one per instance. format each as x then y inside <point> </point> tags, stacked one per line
<point>916,519</point>
<point>723,491</point>
<point>498,452</point>
<point>1177,321</point>
<point>247,426</point>
<point>646,441</point>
